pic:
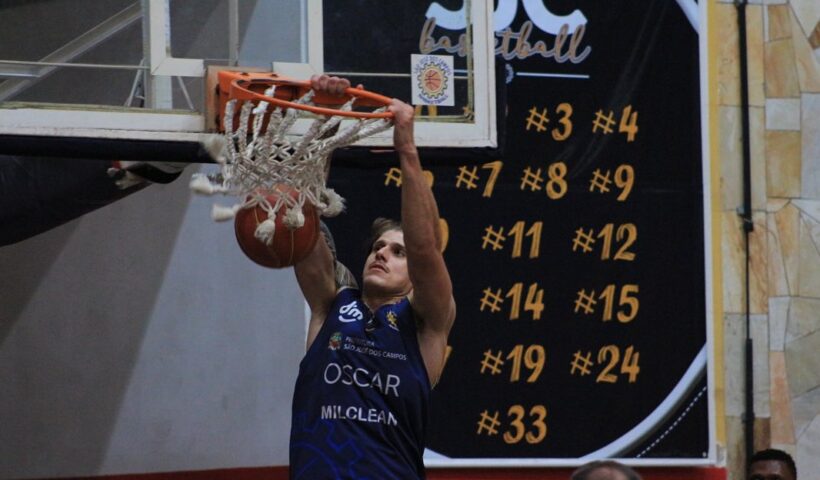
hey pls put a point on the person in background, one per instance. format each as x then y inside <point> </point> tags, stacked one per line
<point>772,464</point>
<point>605,470</point>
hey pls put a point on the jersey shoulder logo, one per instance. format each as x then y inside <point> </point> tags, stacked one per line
<point>392,320</point>
<point>350,313</point>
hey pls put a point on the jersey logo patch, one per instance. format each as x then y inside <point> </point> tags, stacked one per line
<point>335,341</point>
<point>350,313</point>
<point>393,320</point>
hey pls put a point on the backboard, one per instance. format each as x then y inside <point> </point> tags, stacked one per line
<point>113,77</point>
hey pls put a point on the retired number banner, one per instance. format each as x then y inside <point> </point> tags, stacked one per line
<point>577,252</point>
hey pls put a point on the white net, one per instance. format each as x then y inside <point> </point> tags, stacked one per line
<point>257,160</point>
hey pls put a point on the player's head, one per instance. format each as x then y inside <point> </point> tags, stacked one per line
<point>772,464</point>
<point>385,269</point>
<point>605,470</point>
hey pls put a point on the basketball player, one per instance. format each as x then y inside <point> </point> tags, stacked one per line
<point>363,390</point>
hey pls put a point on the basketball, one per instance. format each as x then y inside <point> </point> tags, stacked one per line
<point>289,245</point>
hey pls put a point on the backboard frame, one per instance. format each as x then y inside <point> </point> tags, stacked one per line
<point>158,122</point>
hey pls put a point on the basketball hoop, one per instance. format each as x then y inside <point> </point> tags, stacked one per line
<point>258,112</point>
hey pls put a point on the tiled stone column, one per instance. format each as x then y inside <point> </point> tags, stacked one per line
<point>784,86</point>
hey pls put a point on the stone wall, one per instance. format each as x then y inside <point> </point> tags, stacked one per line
<point>784,96</point>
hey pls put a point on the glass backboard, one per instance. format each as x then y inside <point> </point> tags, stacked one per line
<point>125,70</point>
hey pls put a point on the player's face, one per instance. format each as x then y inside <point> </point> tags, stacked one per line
<point>386,266</point>
<point>770,470</point>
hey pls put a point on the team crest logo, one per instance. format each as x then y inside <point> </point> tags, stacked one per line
<point>432,80</point>
<point>393,321</point>
<point>335,341</point>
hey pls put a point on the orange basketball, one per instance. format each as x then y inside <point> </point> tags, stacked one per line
<point>289,245</point>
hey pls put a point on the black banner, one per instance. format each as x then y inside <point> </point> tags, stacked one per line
<point>577,256</point>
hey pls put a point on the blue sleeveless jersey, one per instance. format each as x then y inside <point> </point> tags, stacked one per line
<point>360,405</point>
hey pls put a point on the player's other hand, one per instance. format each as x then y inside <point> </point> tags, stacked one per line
<point>403,115</point>
<point>335,86</point>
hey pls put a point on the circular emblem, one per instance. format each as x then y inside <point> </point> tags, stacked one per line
<point>433,81</point>
<point>432,77</point>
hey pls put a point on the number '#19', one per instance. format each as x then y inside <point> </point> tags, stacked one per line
<point>534,358</point>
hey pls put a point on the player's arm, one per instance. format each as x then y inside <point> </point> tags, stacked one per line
<point>432,297</point>
<point>317,273</point>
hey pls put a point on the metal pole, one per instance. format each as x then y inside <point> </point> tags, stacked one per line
<point>748,227</point>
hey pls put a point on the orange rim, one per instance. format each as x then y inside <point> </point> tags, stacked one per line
<point>247,86</point>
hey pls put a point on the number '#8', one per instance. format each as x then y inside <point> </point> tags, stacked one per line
<point>557,186</point>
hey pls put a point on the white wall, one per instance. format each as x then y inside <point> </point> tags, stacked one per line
<point>139,338</point>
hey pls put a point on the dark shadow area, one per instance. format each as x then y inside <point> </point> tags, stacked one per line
<point>23,265</point>
<point>76,304</point>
